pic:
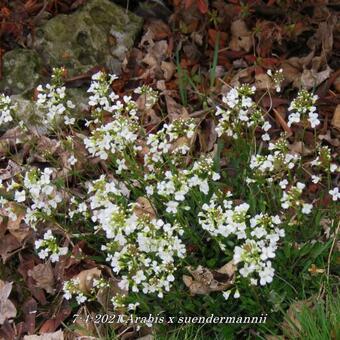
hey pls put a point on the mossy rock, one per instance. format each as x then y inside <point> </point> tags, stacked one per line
<point>98,34</point>
<point>21,71</point>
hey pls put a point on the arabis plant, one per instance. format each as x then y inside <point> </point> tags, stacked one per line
<point>157,196</point>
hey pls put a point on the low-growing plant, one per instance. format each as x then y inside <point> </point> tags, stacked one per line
<point>159,209</point>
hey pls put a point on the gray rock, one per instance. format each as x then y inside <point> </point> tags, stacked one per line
<point>100,33</point>
<point>21,71</point>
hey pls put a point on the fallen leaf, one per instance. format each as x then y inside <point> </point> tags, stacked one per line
<point>144,207</point>
<point>11,170</point>
<point>264,82</point>
<point>7,308</point>
<point>315,270</point>
<point>205,281</point>
<point>300,148</point>
<point>241,36</point>
<point>169,69</point>
<point>86,278</point>
<point>311,78</point>
<point>43,276</point>
<point>282,122</point>
<point>10,139</point>
<point>62,313</point>
<point>175,110</point>
<point>202,6</point>
<point>336,117</point>
<point>337,84</point>
<point>58,335</point>
<point>29,310</point>
<point>8,244</point>
<point>19,229</point>
<point>207,135</point>
<point>160,30</point>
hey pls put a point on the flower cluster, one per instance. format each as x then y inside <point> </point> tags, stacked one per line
<point>148,95</point>
<point>102,98</point>
<point>302,107</point>
<point>6,109</point>
<point>48,247</point>
<point>42,194</point>
<point>141,247</point>
<point>53,100</point>
<point>173,138</point>
<point>277,78</point>
<point>120,134</point>
<point>113,138</point>
<point>241,112</point>
<point>71,288</point>
<point>323,161</point>
<point>257,237</point>
<point>292,199</point>
<point>175,186</point>
<point>37,192</point>
<point>276,164</point>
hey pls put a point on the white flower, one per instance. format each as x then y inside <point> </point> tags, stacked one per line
<point>226,294</point>
<point>266,274</point>
<point>283,184</point>
<point>72,160</point>
<point>171,207</point>
<point>20,196</point>
<point>81,298</point>
<point>69,121</point>
<point>335,194</point>
<point>307,208</point>
<point>333,167</point>
<point>236,294</point>
<point>316,179</point>
<point>300,186</point>
<point>266,126</point>
<point>265,137</point>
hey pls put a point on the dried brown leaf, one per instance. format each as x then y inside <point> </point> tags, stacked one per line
<point>205,281</point>
<point>300,148</point>
<point>169,69</point>
<point>264,82</point>
<point>11,170</point>
<point>207,135</point>
<point>175,110</point>
<point>282,122</point>
<point>8,244</point>
<point>19,229</point>
<point>43,276</point>
<point>241,36</point>
<point>58,335</point>
<point>10,139</point>
<point>312,78</point>
<point>7,308</point>
<point>144,207</point>
<point>86,278</point>
<point>336,117</point>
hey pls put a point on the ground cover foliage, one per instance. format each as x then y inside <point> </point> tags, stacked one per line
<point>204,179</point>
